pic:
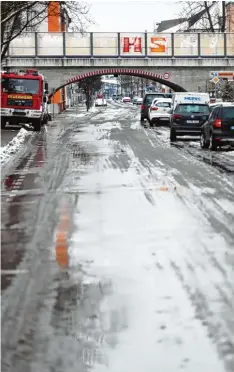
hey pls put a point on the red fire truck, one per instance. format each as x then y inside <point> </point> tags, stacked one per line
<point>24,98</point>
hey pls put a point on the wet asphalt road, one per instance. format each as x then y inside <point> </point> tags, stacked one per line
<point>117,250</point>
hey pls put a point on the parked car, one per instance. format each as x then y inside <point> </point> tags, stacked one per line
<point>215,104</point>
<point>160,111</point>
<point>100,102</point>
<point>126,99</point>
<point>137,100</point>
<point>134,100</point>
<point>218,130</point>
<point>190,112</point>
<point>147,100</point>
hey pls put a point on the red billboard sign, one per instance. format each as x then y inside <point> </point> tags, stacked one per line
<point>132,44</point>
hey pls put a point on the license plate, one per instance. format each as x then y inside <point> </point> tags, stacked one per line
<point>193,121</point>
<point>164,119</point>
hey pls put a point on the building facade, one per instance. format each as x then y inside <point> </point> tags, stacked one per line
<point>57,20</point>
<point>230,16</point>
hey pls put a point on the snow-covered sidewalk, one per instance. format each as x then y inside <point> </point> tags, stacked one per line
<point>6,152</point>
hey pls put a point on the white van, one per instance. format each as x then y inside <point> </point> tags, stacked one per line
<point>191,98</point>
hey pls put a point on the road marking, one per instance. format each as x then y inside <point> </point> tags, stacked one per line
<point>151,142</point>
<point>13,272</point>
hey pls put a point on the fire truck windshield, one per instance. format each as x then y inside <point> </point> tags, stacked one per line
<point>20,86</point>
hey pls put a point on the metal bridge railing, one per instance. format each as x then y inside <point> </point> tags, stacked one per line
<point>122,45</point>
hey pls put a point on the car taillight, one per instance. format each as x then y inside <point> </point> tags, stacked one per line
<point>218,123</point>
<point>176,116</point>
<point>153,108</point>
<point>142,107</point>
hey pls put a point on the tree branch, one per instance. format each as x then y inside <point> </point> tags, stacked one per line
<point>18,11</point>
<point>209,16</point>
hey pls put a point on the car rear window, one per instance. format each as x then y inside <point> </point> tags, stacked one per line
<point>228,113</point>
<point>163,104</point>
<point>192,109</point>
<point>149,98</point>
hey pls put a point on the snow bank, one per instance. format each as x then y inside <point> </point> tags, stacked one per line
<point>13,146</point>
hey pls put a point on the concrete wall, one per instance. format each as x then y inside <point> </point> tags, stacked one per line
<point>187,77</point>
<point>186,72</point>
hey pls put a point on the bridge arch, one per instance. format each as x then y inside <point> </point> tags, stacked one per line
<point>160,78</point>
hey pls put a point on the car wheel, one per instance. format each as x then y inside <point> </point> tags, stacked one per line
<point>151,124</point>
<point>172,135</point>
<point>45,120</point>
<point>204,142</point>
<point>213,143</point>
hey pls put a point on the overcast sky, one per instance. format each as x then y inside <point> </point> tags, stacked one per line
<point>131,15</point>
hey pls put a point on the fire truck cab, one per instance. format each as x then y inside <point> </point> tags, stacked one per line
<point>24,98</point>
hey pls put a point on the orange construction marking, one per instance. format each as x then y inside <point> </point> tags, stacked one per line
<point>164,188</point>
<point>61,241</point>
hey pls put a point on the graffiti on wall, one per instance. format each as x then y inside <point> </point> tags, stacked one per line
<point>158,44</point>
<point>132,44</point>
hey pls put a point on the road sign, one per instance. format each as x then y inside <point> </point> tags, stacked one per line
<point>215,79</point>
<point>226,75</point>
<point>166,75</point>
<point>213,74</point>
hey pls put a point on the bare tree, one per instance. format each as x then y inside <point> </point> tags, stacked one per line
<point>209,16</point>
<point>132,84</point>
<point>227,91</point>
<point>18,17</point>
<point>90,85</point>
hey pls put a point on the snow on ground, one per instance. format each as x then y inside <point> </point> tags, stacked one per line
<point>93,109</point>
<point>142,243</point>
<point>14,145</point>
<point>79,111</point>
<point>230,154</point>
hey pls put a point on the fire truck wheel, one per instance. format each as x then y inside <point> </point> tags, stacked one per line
<point>37,125</point>
<point>45,120</point>
<point>3,124</point>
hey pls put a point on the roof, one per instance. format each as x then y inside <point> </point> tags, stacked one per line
<point>182,24</point>
<point>221,104</point>
<point>180,27</point>
<point>165,25</point>
<point>163,99</point>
